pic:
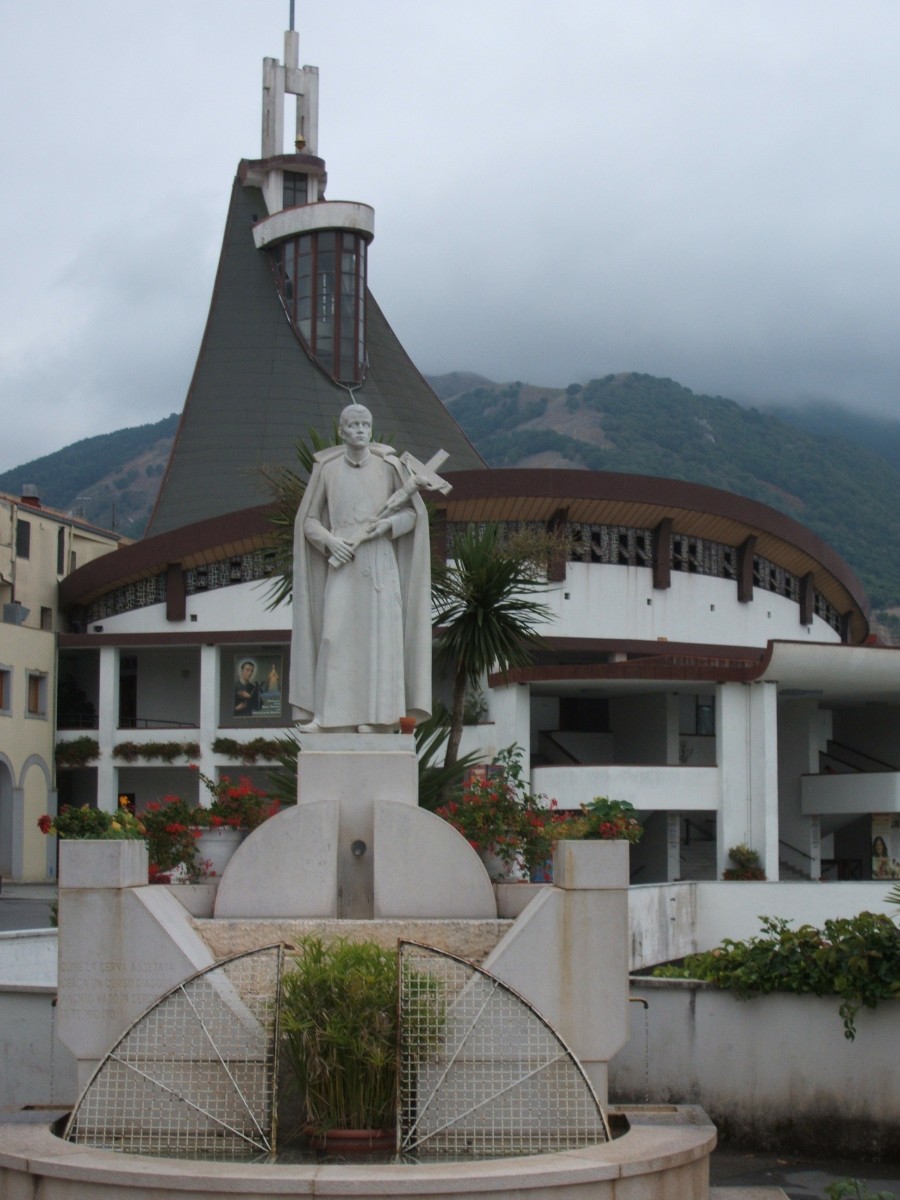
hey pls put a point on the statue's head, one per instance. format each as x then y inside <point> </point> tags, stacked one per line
<point>356,425</point>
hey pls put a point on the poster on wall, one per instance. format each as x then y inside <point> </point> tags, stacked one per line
<point>885,846</point>
<point>257,685</point>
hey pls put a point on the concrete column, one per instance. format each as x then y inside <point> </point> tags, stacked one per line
<point>108,728</point>
<point>272,108</point>
<point>209,706</point>
<point>746,725</point>
<point>567,954</point>
<point>510,709</point>
<point>17,833</point>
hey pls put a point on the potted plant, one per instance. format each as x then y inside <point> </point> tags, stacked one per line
<point>611,820</point>
<point>339,1041</point>
<point>501,819</point>
<point>93,824</point>
<point>746,863</point>
<point>99,848</point>
<point>172,834</point>
<point>236,809</point>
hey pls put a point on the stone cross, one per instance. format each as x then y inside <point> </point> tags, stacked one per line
<point>422,477</point>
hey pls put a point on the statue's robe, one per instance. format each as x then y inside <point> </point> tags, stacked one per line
<point>361,645</point>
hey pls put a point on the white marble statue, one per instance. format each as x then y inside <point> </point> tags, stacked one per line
<point>361,646</point>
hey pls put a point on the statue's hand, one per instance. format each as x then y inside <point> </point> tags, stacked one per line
<point>380,528</point>
<point>339,549</point>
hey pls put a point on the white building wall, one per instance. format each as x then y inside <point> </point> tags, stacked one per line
<point>239,606</point>
<point>605,601</point>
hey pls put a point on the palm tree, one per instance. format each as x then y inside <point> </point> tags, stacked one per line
<point>485,615</point>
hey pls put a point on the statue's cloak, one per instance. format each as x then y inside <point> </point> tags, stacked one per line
<point>310,573</point>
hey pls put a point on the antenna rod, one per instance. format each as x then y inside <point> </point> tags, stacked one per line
<point>292,17</point>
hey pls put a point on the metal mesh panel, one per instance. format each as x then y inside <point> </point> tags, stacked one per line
<point>481,1073</point>
<point>195,1075</point>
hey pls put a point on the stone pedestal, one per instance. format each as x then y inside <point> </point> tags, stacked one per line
<point>122,945</point>
<point>568,953</point>
<point>357,846</point>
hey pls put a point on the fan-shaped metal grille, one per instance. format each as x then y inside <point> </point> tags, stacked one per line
<point>481,1072</point>
<point>195,1075</point>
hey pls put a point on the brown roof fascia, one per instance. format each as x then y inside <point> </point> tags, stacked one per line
<point>196,637</point>
<point>140,560</point>
<point>557,484</point>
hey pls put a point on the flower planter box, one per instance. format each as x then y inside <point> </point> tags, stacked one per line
<point>591,865</point>
<point>215,847</point>
<point>104,863</point>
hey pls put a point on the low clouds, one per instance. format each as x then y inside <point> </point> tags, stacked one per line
<point>706,191</point>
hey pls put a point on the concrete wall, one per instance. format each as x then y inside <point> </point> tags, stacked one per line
<point>689,789</point>
<point>668,921</point>
<point>35,1068</point>
<point>775,1072</point>
<point>616,601</point>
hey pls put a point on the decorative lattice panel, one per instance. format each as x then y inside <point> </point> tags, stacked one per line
<point>482,1074</point>
<point>195,1075</point>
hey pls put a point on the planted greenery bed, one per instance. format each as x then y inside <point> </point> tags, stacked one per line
<point>856,958</point>
<point>339,1034</point>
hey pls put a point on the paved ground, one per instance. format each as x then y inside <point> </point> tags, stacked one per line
<point>801,1178</point>
<point>25,905</point>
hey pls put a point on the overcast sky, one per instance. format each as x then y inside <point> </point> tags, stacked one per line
<point>703,189</point>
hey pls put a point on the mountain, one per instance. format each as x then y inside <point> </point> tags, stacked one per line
<point>110,480</point>
<point>831,469</point>
<point>848,494</point>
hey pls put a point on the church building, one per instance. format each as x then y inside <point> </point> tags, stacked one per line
<point>708,660</point>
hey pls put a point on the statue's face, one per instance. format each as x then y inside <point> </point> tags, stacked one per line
<point>356,427</point>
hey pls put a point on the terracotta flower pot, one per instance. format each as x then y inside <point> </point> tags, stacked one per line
<point>354,1141</point>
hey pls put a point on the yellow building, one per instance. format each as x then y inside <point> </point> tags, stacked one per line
<point>38,548</point>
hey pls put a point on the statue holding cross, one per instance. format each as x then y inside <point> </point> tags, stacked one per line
<point>361,644</point>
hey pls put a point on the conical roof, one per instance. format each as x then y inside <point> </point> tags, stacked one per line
<point>255,390</point>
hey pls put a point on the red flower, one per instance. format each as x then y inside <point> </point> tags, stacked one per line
<point>45,823</point>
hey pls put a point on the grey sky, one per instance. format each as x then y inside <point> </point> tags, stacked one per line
<point>705,189</point>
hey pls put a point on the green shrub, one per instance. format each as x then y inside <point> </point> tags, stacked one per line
<point>339,1033</point>
<point>856,958</point>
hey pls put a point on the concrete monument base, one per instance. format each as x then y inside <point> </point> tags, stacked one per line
<point>357,846</point>
<point>663,1156</point>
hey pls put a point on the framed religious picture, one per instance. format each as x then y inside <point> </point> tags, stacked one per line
<point>257,685</point>
<point>885,846</point>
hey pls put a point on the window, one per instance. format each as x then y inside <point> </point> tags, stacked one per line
<point>46,619</point>
<point>697,716</point>
<point>36,689</point>
<point>61,550</point>
<point>322,279</point>
<point>23,538</point>
<point>5,690</point>
<point>295,190</point>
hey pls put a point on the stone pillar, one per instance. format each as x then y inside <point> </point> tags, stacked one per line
<point>107,729</point>
<point>122,945</point>
<point>568,953</point>
<point>509,707</point>
<point>209,706</point>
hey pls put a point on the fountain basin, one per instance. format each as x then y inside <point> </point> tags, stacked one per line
<point>664,1155</point>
